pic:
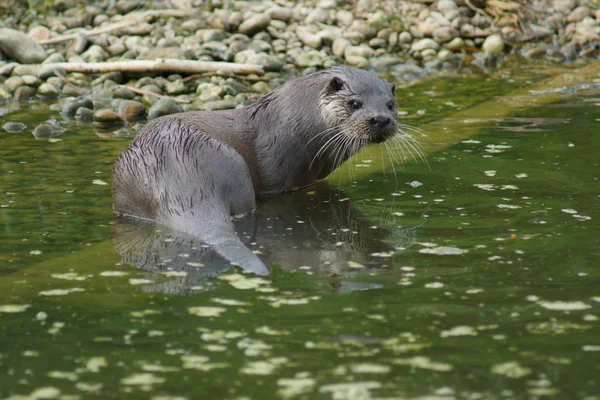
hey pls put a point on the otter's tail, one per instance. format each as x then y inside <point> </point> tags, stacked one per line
<point>221,236</point>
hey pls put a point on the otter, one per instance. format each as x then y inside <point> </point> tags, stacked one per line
<point>193,171</point>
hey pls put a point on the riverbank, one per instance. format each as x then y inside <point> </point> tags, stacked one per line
<point>271,42</point>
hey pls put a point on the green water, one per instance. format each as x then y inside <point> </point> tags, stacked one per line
<point>363,301</point>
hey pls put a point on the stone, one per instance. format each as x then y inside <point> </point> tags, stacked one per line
<point>563,6</point>
<point>255,24</point>
<point>344,17</point>
<point>69,109</point>
<point>280,13</point>
<point>39,33</point>
<point>164,107</point>
<point>131,110</point>
<point>444,34</point>
<point>47,90</point>
<point>176,87</point>
<point>405,37</point>
<point>21,47</point>
<point>578,14</point>
<point>24,93</point>
<point>54,58</point>
<point>107,117</point>
<point>446,5</point>
<point>493,43</point>
<point>14,127</point>
<point>121,92</point>
<point>365,28</point>
<point>317,16</point>
<point>425,44</point>
<point>358,51</point>
<point>84,114</point>
<point>13,83</point>
<point>312,58</point>
<point>308,38</point>
<point>219,105</point>
<point>31,80</point>
<point>456,44</point>
<point>94,54</point>
<point>45,131</point>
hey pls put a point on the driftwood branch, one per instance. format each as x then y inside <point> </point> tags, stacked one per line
<point>160,65</point>
<point>128,20</point>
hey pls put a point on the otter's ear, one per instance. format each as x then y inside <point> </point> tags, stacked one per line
<point>335,84</point>
<point>394,89</point>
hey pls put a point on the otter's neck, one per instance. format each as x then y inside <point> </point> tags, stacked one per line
<point>290,134</point>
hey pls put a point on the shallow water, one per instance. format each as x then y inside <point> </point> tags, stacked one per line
<point>472,276</point>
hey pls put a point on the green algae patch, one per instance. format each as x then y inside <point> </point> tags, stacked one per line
<point>206,311</point>
<point>511,369</point>
<point>13,308</point>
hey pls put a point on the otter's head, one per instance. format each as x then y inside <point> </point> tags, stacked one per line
<point>360,104</point>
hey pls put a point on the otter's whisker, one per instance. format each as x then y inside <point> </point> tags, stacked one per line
<point>392,160</point>
<point>323,148</point>
<point>323,133</point>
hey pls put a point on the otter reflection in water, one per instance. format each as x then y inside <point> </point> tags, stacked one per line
<point>313,229</point>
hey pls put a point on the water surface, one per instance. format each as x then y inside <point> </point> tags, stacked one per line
<point>473,275</point>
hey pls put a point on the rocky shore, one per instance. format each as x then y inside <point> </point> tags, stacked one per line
<point>42,49</point>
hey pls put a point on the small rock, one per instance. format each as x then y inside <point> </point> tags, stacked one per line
<point>493,43</point>
<point>69,109</point>
<point>14,127</point>
<point>164,107</point>
<point>358,51</point>
<point>13,83</point>
<point>21,47</point>
<point>121,92</point>
<point>280,13</point>
<point>175,87</point>
<point>366,29</point>
<point>578,14</point>
<point>45,131</point>
<point>308,38</point>
<point>84,114</point>
<point>31,80</point>
<point>317,16</point>
<point>405,37</point>
<point>344,17</point>
<point>78,45</point>
<point>444,34</point>
<point>107,117</point>
<point>456,44</point>
<point>47,90</point>
<point>446,5</point>
<point>536,52</point>
<point>24,93</point>
<point>255,24</point>
<point>54,58</point>
<point>358,61</point>
<point>94,54</point>
<point>131,110</point>
<point>219,105</point>
<point>425,44</point>
<point>563,6</point>
<point>312,58</point>
<point>39,33</point>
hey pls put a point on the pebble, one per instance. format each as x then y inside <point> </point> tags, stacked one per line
<point>21,47</point>
<point>47,90</point>
<point>24,93</point>
<point>131,110</point>
<point>219,105</point>
<point>84,114</point>
<point>45,131</point>
<point>69,109</point>
<point>309,38</point>
<point>536,52</point>
<point>107,117</point>
<point>255,24</point>
<point>493,43</point>
<point>14,127</point>
<point>425,44</point>
<point>164,107</point>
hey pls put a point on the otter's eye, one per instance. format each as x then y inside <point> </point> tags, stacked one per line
<point>390,105</point>
<point>355,104</point>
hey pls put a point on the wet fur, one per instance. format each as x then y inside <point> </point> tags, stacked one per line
<point>192,171</point>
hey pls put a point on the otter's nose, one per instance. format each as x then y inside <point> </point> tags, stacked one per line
<point>380,121</point>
